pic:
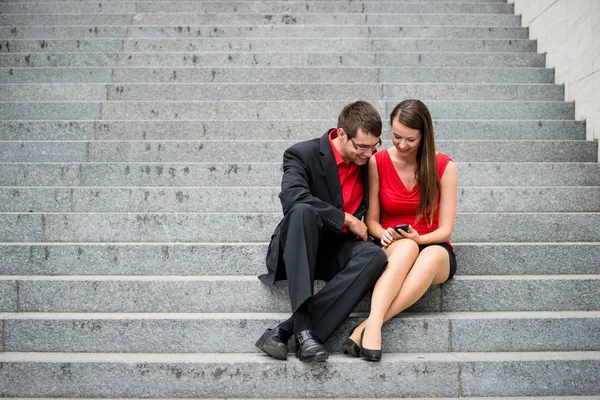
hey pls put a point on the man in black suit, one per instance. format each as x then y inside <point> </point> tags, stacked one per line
<point>324,194</point>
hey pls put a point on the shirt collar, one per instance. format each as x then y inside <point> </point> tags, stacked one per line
<point>339,160</point>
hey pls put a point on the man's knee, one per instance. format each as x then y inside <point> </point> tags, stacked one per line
<point>305,213</point>
<point>377,260</point>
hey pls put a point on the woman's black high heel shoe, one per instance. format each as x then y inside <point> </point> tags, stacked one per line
<point>367,354</point>
<point>349,346</point>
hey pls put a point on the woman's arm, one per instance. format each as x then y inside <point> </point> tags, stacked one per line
<point>373,213</point>
<point>446,209</point>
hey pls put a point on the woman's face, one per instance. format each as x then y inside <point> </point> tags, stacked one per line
<point>405,139</point>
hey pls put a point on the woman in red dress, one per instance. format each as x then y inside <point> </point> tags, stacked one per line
<point>409,183</point>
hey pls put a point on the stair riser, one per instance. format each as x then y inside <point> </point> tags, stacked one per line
<point>485,151</point>
<point>249,295</point>
<point>275,130</point>
<point>409,334</point>
<point>409,377</point>
<point>498,20</point>
<point>118,228</point>
<point>275,31</point>
<point>269,110</point>
<point>266,200</point>
<point>257,174</point>
<point>276,75</point>
<point>279,92</point>
<point>266,45</point>
<point>236,59</point>
<point>253,8</point>
<point>249,259</point>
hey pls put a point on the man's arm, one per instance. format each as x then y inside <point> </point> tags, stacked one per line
<point>295,189</point>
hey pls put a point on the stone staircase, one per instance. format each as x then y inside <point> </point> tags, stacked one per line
<point>140,162</point>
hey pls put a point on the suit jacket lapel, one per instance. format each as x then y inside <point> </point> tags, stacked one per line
<point>330,170</point>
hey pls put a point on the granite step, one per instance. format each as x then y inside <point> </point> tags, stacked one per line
<point>267,151</point>
<point>266,200</point>
<point>279,92</point>
<point>249,258</point>
<point>225,375</point>
<point>279,59</point>
<point>276,31</point>
<point>288,19</point>
<point>251,7</point>
<point>329,75</point>
<point>236,333</point>
<point>246,294</point>
<point>258,227</point>
<point>269,174</point>
<point>266,45</point>
<point>270,110</point>
<point>274,130</point>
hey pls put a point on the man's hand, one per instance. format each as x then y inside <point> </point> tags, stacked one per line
<point>356,226</point>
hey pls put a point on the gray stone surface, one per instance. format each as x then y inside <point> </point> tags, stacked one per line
<point>512,332</point>
<point>16,259</point>
<point>444,20</point>
<point>86,20</point>
<point>285,44</point>
<point>8,60</point>
<point>55,75</point>
<point>8,295</point>
<point>279,31</point>
<point>330,74</point>
<point>103,7</point>
<point>111,227</point>
<point>46,130</point>
<point>20,228</point>
<point>59,45</point>
<point>236,333</point>
<point>564,374</point>
<point>270,110</point>
<point>49,110</point>
<point>195,333</point>
<point>33,174</point>
<point>552,293</point>
<point>298,59</point>
<point>53,92</point>
<point>289,92</point>
<point>214,375</point>
<point>257,227</point>
<point>225,294</point>
<point>268,151</point>
<point>269,174</point>
<point>104,32</point>
<point>139,259</point>
<point>248,199</point>
<point>249,258</point>
<point>21,199</point>
<point>43,152</point>
<point>528,258</point>
<point>298,130</point>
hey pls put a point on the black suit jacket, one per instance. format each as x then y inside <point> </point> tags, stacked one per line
<point>310,176</point>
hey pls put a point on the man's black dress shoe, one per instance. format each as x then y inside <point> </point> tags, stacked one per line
<point>309,347</point>
<point>274,343</point>
<point>368,354</point>
<point>349,346</point>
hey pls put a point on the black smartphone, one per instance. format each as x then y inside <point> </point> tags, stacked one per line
<point>403,227</point>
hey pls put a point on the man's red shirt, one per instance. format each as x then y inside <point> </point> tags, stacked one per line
<point>350,180</point>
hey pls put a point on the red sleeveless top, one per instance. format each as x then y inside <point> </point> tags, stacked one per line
<point>397,204</point>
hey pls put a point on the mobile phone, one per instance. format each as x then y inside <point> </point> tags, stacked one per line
<point>403,227</point>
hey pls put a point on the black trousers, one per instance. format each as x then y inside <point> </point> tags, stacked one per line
<point>350,266</point>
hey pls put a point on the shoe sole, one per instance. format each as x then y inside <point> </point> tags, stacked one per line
<point>279,353</point>
<point>316,358</point>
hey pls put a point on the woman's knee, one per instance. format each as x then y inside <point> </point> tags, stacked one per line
<point>405,249</point>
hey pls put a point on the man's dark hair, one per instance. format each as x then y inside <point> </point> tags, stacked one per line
<point>360,114</point>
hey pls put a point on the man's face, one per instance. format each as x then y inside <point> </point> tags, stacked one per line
<point>358,149</point>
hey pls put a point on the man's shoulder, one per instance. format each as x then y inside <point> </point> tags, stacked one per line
<point>306,147</point>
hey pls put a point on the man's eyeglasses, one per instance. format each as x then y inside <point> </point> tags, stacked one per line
<point>365,147</point>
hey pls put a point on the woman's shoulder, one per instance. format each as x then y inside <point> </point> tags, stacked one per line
<point>442,162</point>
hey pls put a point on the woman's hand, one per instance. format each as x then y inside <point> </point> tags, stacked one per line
<point>411,234</point>
<point>389,237</point>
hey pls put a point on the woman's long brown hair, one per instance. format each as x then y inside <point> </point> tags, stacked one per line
<point>415,115</point>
